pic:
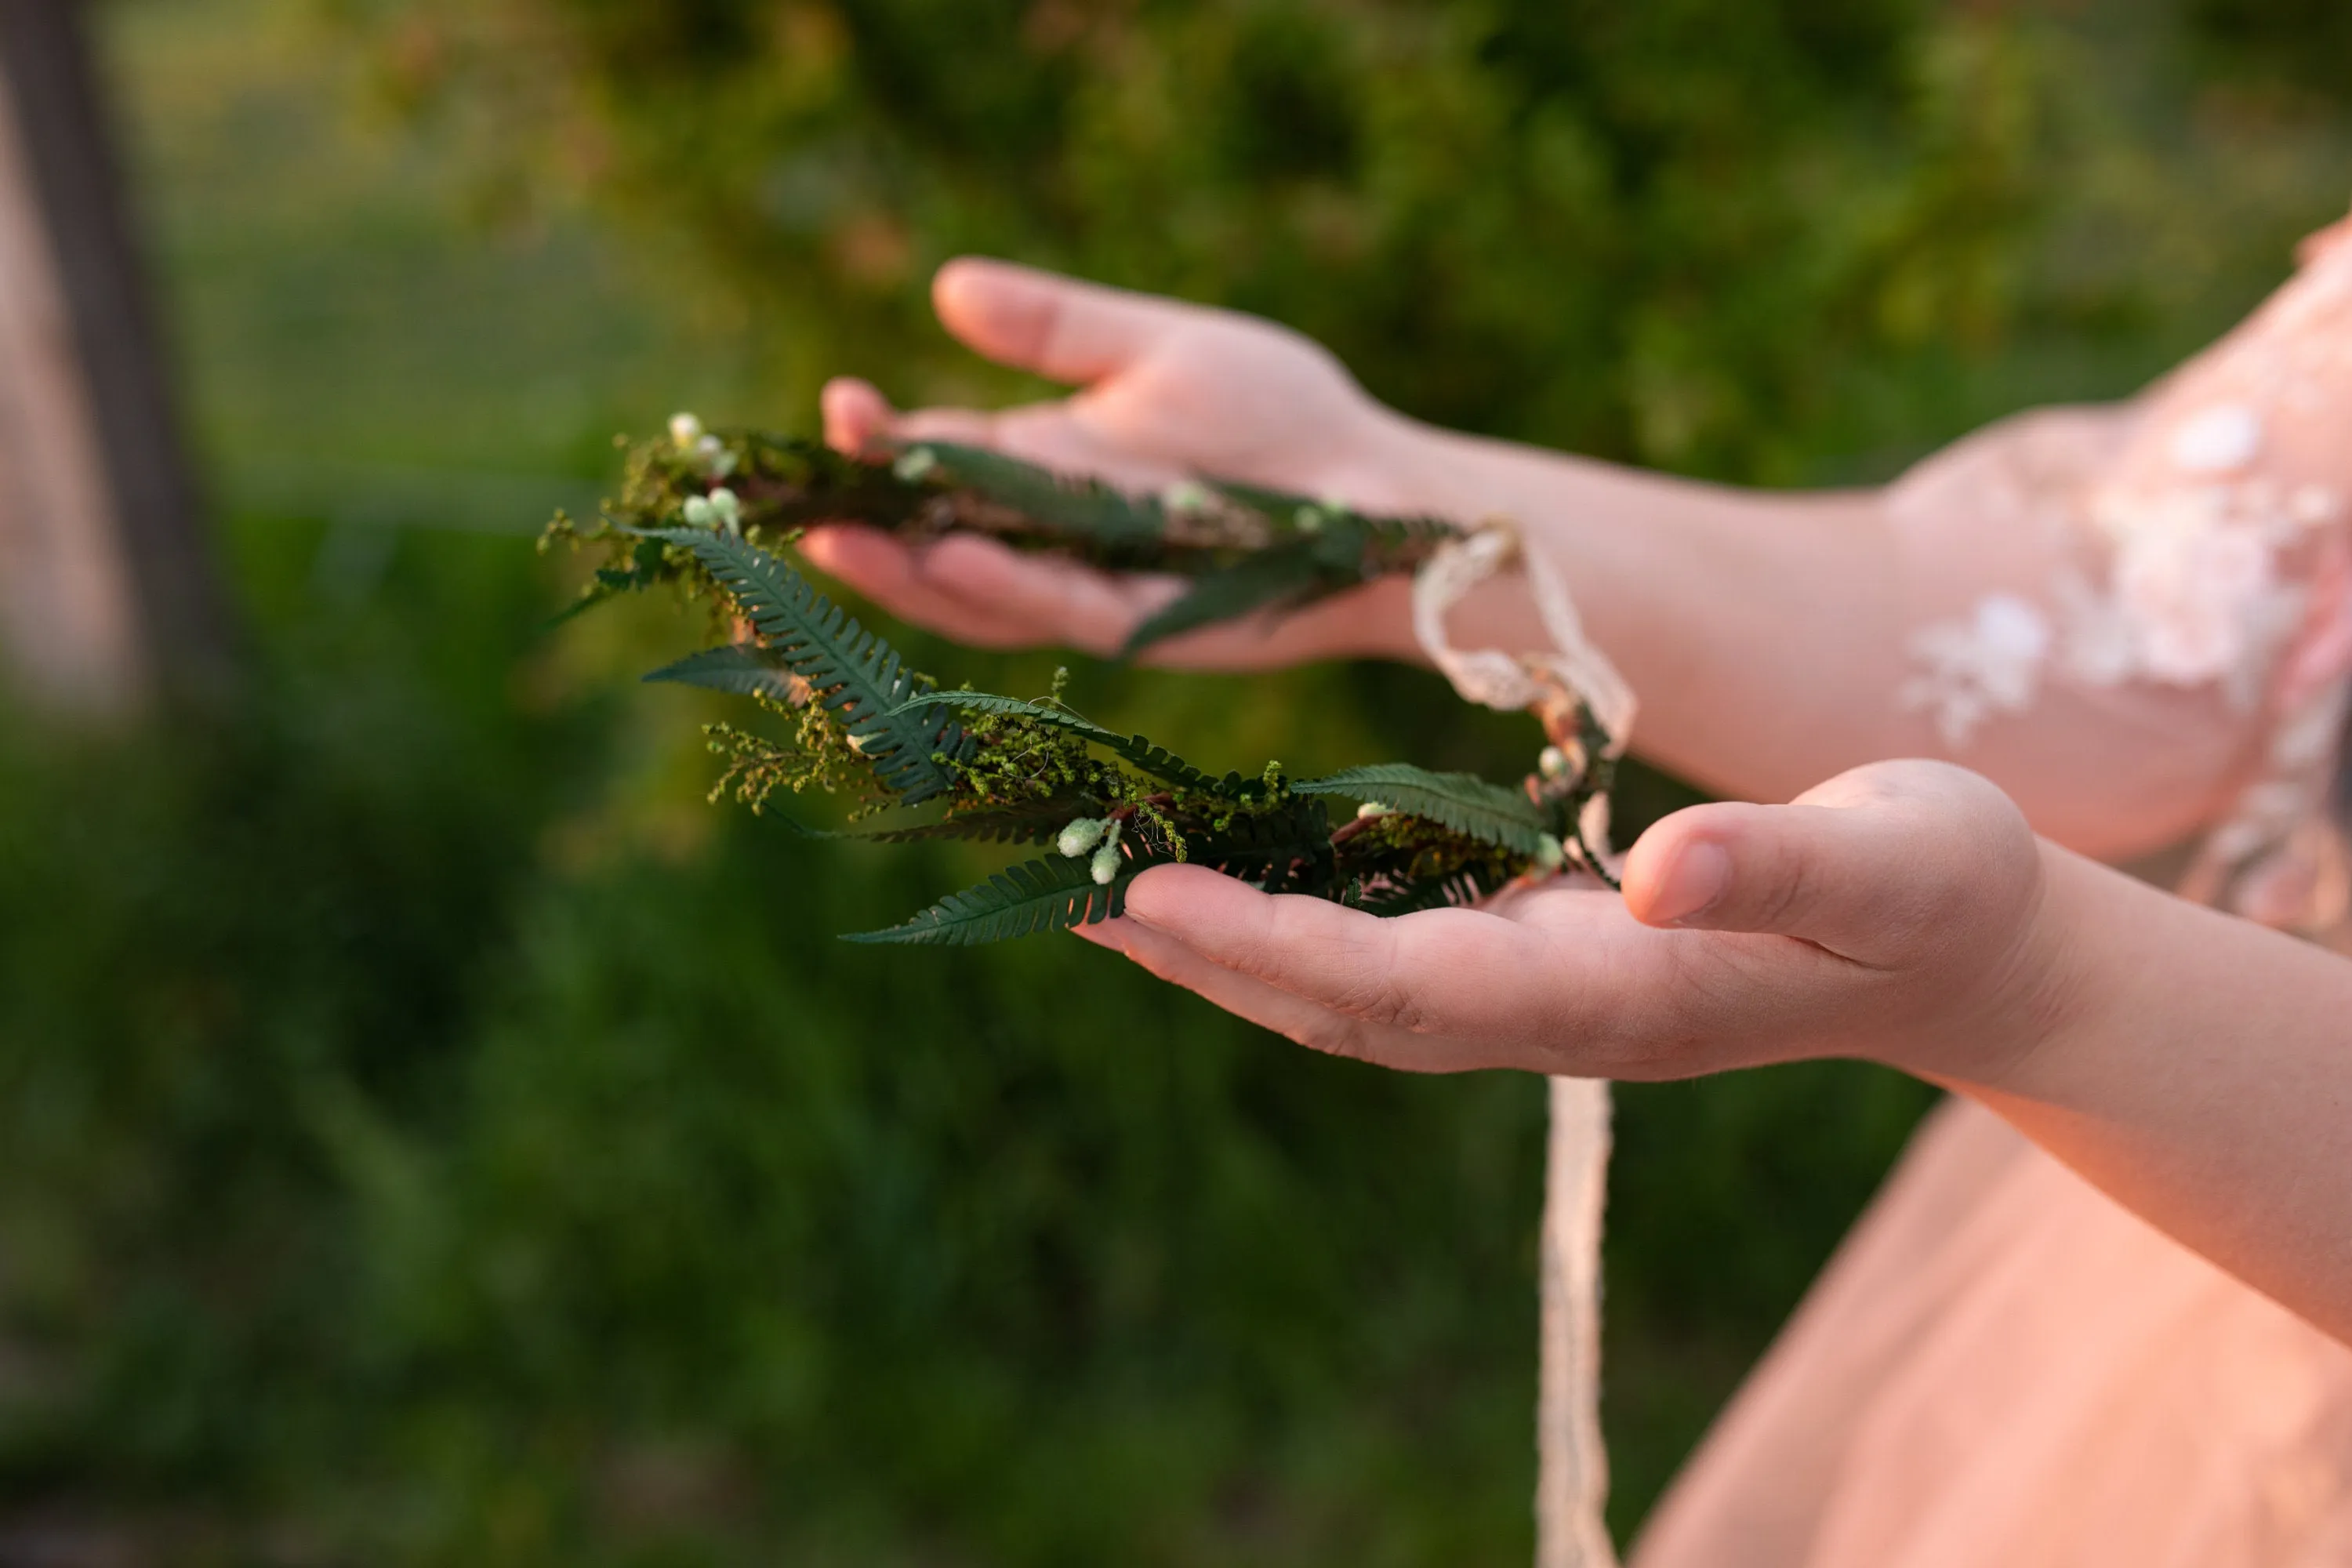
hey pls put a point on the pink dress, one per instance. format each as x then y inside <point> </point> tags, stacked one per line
<point>2001,1366</point>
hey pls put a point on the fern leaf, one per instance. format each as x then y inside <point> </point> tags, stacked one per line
<point>1278,574</point>
<point>1463,802</point>
<point>1051,894</point>
<point>1288,851</point>
<point>1454,890</point>
<point>1028,822</point>
<point>745,669</point>
<point>855,675</point>
<point>1081,509</point>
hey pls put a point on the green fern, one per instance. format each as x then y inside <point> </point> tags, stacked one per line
<point>855,675</point>
<point>1279,575</point>
<point>1021,822</point>
<point>1463,802</point>
<point>1054,894</point>
<point>743,669</point>
<point>1455,889</point>
<point>1054,504</point>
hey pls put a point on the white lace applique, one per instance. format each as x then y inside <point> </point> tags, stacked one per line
<point>1990,663</point>
<point>2192,595</point>
<point>2194,539</point>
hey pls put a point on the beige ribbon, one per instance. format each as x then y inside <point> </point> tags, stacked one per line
<point>1572,1459</point>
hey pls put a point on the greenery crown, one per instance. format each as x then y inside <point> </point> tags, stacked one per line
<point>700,511</point>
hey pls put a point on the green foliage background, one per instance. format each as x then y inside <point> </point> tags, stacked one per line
<point>428,1134</point>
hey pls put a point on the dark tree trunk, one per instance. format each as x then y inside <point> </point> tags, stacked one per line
<point>108,596</point>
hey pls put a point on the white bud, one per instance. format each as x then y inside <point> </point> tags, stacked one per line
<point>1550,853</point>
<point>1371,811</point>
<point>1106,864</point>
<point>726,510</point>
<point>1186,495</point>
<point>1310,519</point>
<point>1553,763</point>
<point>686,430</point>
<point>699,513</point>
<point>915,463</point>
<point>1080,837</point>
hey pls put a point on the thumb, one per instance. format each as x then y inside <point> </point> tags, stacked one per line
<point>1873,865</point>
<point>1057,326</point>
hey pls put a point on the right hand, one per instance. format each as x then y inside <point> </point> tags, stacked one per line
<point>1167,391</point>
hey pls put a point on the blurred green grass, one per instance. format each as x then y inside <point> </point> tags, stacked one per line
<point>429,1133</point>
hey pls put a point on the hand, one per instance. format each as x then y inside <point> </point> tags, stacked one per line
<point>1896,911</point>
<point>1168,391</point>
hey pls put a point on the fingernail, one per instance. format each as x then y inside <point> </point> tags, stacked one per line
<point>1699,876</point>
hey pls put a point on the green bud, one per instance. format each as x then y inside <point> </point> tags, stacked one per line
<point>699,513</point>
<point>1081,836</point>
<point>726,510</point>
<point>1550,853</point>
<point>1372,811</point>
<point>916,464</point>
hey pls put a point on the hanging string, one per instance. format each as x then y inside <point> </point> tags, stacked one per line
<point>1556,684</point>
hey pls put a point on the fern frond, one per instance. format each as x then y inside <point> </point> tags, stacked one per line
<point>1455,889</point>
<point>857,676</point>
<point>1057,504</point>
<point>744,670</point>
<point>1023,822</point>
<point>1051,894</point>
<point>1267,579</point>
<point>1463,802</point>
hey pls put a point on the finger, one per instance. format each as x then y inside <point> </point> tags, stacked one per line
<point>1458,976</point>
<point>1057,598</point>
<point>889,572</point>
<point>1295,1018</point>
<point>1055,326</point>
<point>856,414</point>
<point>1870,866</point>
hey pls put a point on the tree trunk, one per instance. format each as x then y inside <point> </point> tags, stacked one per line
<point>107,593</point>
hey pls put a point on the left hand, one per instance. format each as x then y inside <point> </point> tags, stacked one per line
<point>1895,912</point>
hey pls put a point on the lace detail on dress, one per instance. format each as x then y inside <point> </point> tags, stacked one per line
<point>2199,547</point>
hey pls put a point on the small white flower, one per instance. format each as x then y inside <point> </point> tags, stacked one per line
<point>916,464</point>
<point>699,513</point>
<point>1080,837</point>
<point>1372,811</point>
<point>685,430</point>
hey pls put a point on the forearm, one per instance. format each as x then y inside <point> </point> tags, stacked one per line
<point>1770,635</point>
<point>2198,1069</point>
<point>1762,631</point>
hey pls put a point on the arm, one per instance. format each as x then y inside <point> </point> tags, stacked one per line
<point>2196,1067</point>
<point>2202,1077</point>
<point>1773,637</point>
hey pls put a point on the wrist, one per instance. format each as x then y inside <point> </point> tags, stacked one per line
<point>2047,991</point>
